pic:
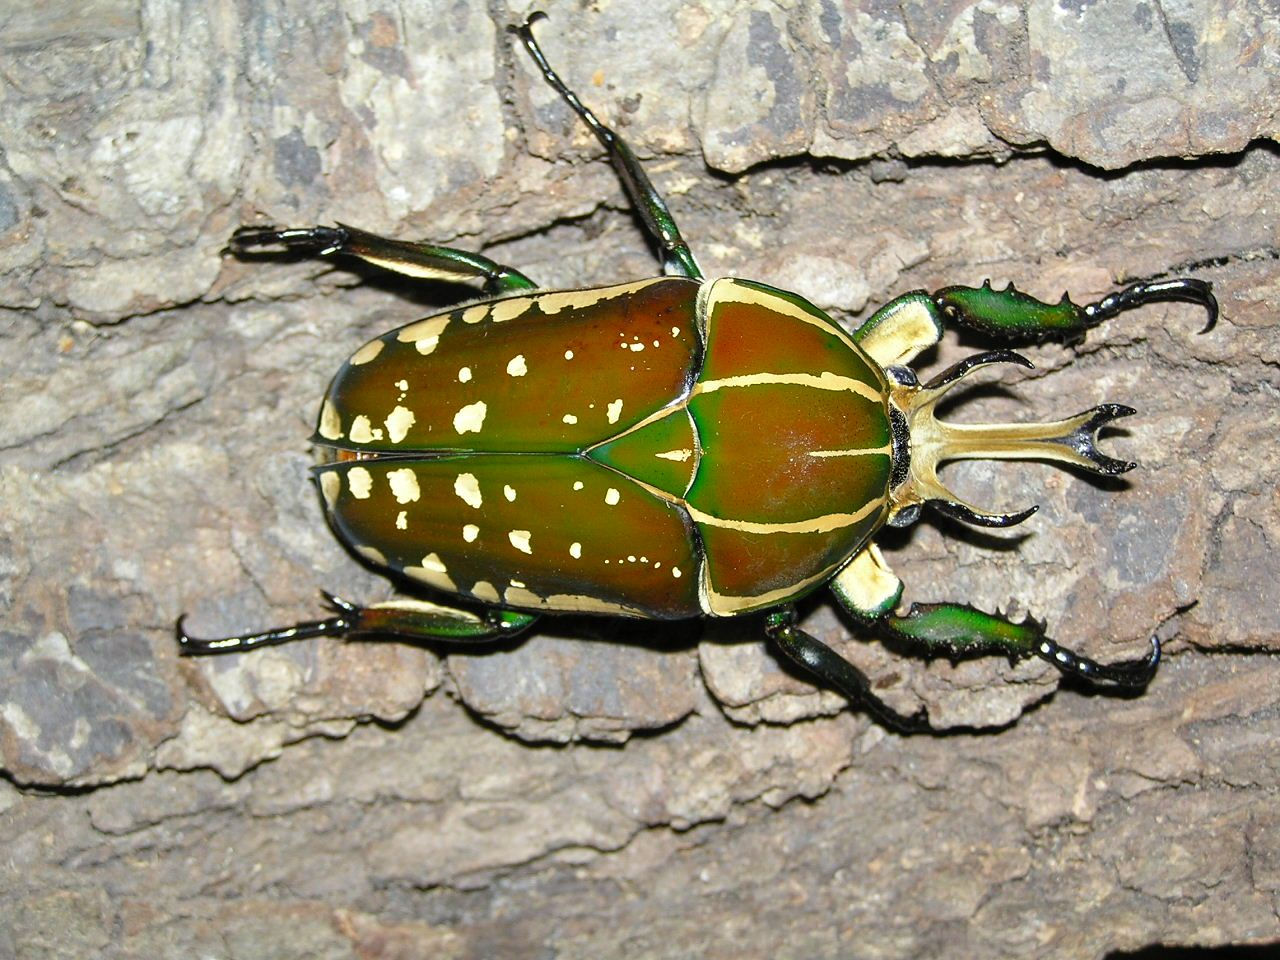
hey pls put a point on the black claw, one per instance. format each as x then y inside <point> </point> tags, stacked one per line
<point>958,511</point>
<point>1185,289</point>
<point>1127,673</point>
<point>311,241</point>
<point>1085,439</point>
<point>961,369</point>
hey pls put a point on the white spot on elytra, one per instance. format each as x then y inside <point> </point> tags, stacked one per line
<point>470,532</point>
<point>636,347</point>
<point>568,354</point>
<point>510,309</point>
<point>570,419</point>
<point>404,485</point>
<point>680,456</point>
<point>518,584</point>
<point>470,418</point>
<point>425,334</point>
<point>372,554</point>
<point>509,492</point>
<point>330,426</point>
<point>575,550</point>
<point>577,484</point>
<point>464,375</point>
<point>615,410</point>
<point>433,563</point>
<point>675,572</point>
<point>467,487</point>
<point>402,386</point>
<point>366,353</point>
<point>330,484</point>
<point>517,367</point>
<point>612,497</point>
<point>483,590</point>
<point>520,540</point>
<point>398,423</point>
<point>475,314</point>
<point>675,331</point>
<point>362,431</point>
<point>402,520</point>
<point>360,481</point>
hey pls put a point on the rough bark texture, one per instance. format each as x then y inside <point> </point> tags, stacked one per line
<point>603,790</point>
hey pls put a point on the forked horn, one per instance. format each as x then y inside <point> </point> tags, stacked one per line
<point>933,442</point>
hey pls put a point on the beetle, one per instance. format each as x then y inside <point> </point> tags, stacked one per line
<point>670,448</point>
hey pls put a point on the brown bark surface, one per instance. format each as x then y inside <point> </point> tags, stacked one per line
<point>604,789</point>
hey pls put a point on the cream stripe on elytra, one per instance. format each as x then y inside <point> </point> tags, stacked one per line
<point>552,303</point>
<point>823,524</point>
<point>823,381</point>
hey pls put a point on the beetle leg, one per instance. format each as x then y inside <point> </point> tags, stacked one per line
<point>902,328</point>
<point>423,261</point>
<point>412,619</point>
<point>1012,314</point>
<point>870,592</point>
<point>831,668</point>
<point>677,259</point>
<point>955,629</point>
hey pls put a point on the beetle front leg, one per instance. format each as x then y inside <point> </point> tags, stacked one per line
<point>424,261</point>
<point>870,592</point>
<point>897,332</point>
<point>1012,314</point>
<point>828,666</point>
<point>410,619</point>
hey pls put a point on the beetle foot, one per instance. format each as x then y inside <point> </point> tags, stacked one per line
<point>309,241</point>
<point>1186,289</point>
<point>339,625</point>
<point>1126,673</point>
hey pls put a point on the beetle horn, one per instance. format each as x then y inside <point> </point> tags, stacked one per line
<point>933,442</point>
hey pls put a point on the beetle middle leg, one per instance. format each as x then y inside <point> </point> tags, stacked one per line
<point>820,660</point>
<point>677,259</point>
<point>410,619</point>
<point>424,261</point>
<point>869,592</point>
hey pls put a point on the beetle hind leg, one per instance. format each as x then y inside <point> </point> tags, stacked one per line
<point>410,619</point>
<point>423,261</point>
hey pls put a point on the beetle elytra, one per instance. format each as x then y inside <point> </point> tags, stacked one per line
<point>670,448</point>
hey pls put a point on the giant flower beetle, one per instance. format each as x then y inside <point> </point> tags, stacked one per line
<point>670,448</point>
